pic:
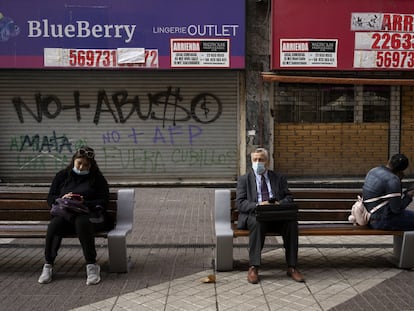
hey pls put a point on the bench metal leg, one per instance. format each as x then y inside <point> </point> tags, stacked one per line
<point>404,250</point>
<point>117,252</point>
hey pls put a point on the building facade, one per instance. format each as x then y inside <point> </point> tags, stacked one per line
<point>174,93</point>
<point>333,98</point>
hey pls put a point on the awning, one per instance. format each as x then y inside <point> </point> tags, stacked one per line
<point>273,77</point>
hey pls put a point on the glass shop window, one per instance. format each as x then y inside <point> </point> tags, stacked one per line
<point>325,103</point>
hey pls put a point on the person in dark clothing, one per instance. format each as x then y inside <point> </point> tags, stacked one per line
<point>383,180</point>
<point>249,194</point>
<point>81,178</point>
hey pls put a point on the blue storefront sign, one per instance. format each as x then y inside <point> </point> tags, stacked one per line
<point>144,34</point>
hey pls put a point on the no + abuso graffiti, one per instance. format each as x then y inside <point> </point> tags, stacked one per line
<point>163,106</point>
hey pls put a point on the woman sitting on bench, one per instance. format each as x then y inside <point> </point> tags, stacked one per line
<point>383,180</point>
<point>81,180</point>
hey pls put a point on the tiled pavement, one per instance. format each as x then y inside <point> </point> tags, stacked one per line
<point>171,250</point>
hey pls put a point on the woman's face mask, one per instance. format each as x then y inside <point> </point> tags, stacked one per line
<point>81,166</point>
<point>79,172</point>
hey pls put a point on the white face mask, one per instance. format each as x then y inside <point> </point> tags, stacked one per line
<point>79,172</point>
<point>259,167</point>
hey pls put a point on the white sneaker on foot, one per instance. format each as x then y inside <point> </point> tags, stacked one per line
<point>93,272</point>
<point>46,276</point>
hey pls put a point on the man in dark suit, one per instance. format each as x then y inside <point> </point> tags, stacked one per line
<point>251,191</point>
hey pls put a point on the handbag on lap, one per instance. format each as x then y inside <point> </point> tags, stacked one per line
<point>360,215</point>
<point>67,208</point>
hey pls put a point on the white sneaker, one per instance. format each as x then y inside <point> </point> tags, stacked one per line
<point>93,272</point>
<point>46,276</point>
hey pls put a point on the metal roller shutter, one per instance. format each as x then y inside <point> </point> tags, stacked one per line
<point>144,126</point>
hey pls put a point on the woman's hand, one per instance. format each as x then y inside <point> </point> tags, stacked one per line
<point>67,195</point>
<point>73,196</point>
<point>410,193</point>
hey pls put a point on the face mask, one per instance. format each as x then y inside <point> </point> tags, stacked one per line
<point>259,167</point>
<point>76,171</point>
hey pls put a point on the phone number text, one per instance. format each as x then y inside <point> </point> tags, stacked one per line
<point>392,41</point>
<point>107,59</point>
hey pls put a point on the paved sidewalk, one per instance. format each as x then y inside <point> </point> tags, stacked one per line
<point>171,251</point>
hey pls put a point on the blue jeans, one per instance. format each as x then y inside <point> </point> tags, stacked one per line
<point>403,221</point>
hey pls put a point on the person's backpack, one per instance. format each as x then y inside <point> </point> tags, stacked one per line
<point>360,215</point>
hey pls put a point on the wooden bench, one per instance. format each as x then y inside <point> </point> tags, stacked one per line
<point>26,215</point>
<point>322,212</point>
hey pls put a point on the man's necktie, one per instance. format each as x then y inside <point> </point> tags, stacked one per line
<point>264,190</point>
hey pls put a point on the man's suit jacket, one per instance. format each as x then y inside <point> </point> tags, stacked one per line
<point>246,197</point>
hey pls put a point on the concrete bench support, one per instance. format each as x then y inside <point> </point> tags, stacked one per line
<point>117,245</point>
<point>404,250</point>
<point>224,233</point>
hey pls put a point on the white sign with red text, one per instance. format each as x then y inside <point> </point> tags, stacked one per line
<point>383,40</point>
<point>94,58</point>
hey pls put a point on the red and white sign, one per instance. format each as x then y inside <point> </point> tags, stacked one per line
<point>92,58</point>
<point>366,35</point>
<point>383,40</point>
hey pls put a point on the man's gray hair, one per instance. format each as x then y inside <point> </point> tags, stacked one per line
<point>261,150</point>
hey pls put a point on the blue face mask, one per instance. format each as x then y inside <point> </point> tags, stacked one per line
<point>259,167</point>
<point>76,171</point>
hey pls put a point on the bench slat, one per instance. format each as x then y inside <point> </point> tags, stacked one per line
<point>345,230</point>
<point>36,210</point>
<point>323,215</point>
<point>23,204</point>
<point>314,215</point>
<point>33,195</point>
<point>35,215</point>
<point>25,215</point>
<point>6,204</point>
<point>318,193</point>
<point>23,195</point>
<point>329,232</point>
<point>327,205</point>
<point>326,193</point>
<point>27,234</point>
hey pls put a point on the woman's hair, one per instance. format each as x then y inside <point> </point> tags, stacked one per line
<point>87,153</point>
<point>398,162</point>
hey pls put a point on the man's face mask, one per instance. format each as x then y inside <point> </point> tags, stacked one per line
<point>259,167</point>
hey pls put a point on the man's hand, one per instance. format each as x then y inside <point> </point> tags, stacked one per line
<point>275,202</point>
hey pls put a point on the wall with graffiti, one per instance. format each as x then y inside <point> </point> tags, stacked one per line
<point>143,126</point>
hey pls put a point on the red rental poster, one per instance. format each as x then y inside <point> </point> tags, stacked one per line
<point>342,35</point>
